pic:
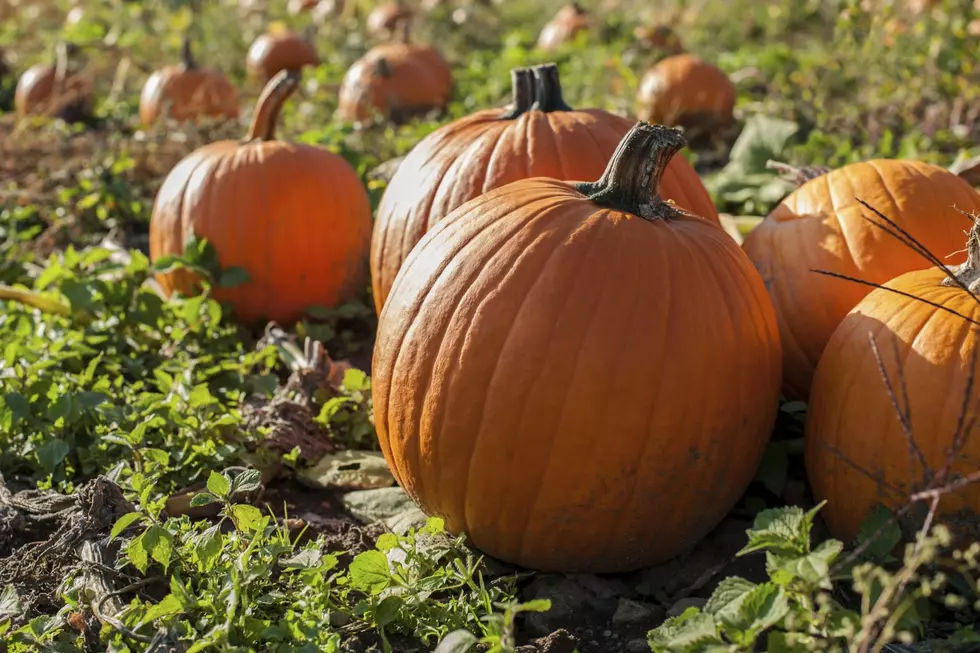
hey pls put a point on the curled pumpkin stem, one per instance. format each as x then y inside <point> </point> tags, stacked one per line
<point>631,182</point>
<point>279,89</point>
<point>800,175</point>
<point>967,275</point>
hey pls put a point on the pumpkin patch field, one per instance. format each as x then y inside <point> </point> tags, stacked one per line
<point>516,326</point>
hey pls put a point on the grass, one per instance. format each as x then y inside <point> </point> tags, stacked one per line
<point>100,377</point>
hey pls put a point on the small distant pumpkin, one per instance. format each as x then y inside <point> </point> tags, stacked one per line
<point>562,367</point>
<point>397,81</point>
<point>538,135</point>
<point>297,7</point>
<point>662,37</point>
<point>325,10</point>
<point>385,19</point>
<point>187,92</point>
<point>821,226</point>
<point>296,217</point>
<point>55,90</point>
<point>685,91</point>
<point>857,452</point>
<point>276,51</point>
<point>564,27</point>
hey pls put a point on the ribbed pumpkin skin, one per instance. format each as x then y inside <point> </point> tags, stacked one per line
<point>574,387</point>
<point>295,217</point>
<point>272,53</point>
<point>821,226</point>
<point>480,152</point>
<point>187,94</point>
<point>851,411</point>
<point>685,90</point>
<point>418,79</point>
<point>35,87</point>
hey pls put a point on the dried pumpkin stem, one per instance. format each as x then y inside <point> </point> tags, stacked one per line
<point>279,89</point>
<point>522,91</point>
<point>547,89</point>
<point>632,178</point>
<point>186,54</point>
<point>968,274</point>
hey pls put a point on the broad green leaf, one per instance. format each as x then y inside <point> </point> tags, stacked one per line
<point>207,546</point>
<point>387,611</point>
<point>203,499</point>
<point>369,571</point>
<point>305,559</point>
<point>812,568</point>
<point>159,542</point>
<point>386,542</point>
<point>169,606</point>
<point>248,481</point>
<point>458,641</point>
<point>679,633</point>
<point>138,554</point>
<point>760,608</point>
<point>537,605</point>
<point>247,518</point>
<point>124,522</point>
<point>10,602</point>
<point>51,454</point>
<point>782,530</point>
<point>218,485</point>
<point>728,596</point>
<point>880,533</point>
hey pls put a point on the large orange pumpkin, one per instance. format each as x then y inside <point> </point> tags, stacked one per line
<point>822,226</point>
<point>582,377</point>
<point>280,50</point>
<point>686,91</point>
<point>538,136</point>
<point>929,357</point>
<point>295,217</point>
<point>564,27</point>
<point>55,90</point>
<point>187,92</point>
<point>397,81</point>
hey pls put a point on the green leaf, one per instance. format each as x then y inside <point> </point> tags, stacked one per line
<point>728,596</point>
<point>537,605</point>
<point>696,629</point>
<point>812,568</point>
<point>305,559</point>
<point>387,611</point>
<point>10,602</point>
<point>458,641</point>
<point>247,518</point>
<point>138,554</point>
<point>219,485</point>
<point>233,276</point>
<point>880,533</point>
<point>759,609</point>
<point>208,546</point>
<point>51,454</point>
<point>782,530</point>
<point>774,468</point>
<point>123,523</point>
<point>763,138</point>
<point>159,542</point>
<point>203,499</point>
<point>169,606</point>
<point>248,481</point>
<point>386,542</point>
<point>369,571</point>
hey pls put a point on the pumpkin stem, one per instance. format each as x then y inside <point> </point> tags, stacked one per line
<point>799,175</point>
<point>522,93</point>
<point>631,182</point>
<point>405,35</point>
<point>547,89</point>
<point>968,274</point>
<point>274,96</point>
<point>382,68</point>
<point>62,51</point>
<point>186,55</point>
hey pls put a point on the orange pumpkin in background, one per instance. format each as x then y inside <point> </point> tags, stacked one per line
<point>55,90</point>
<point>276,51</point>
<point>564,27</point>
<point>822,226</point>
<point>929,356</point>
<point>660,36</point>
<point>385,19</point>
<point>559,366</point>
<point>397,81</point>
<point>539,135</point>
<point>686,91</point>
<point>187,92</point>
<point>296,217</point>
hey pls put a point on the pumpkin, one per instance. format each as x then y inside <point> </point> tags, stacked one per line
<point>295,217</point>
<point>857,453</point>
<point>397,81</point>
<point>686,91</point>
<point>561,367</point>
<point>276,51</point>
<point>385,19</point>
<point>539,135</point>
<point>187,92</point>
<point>659,36</point>
<point>564,27</point>
<point>821,226</point>
<point>55,90</point>
<point>325,10</point>
<point>297,7</point>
